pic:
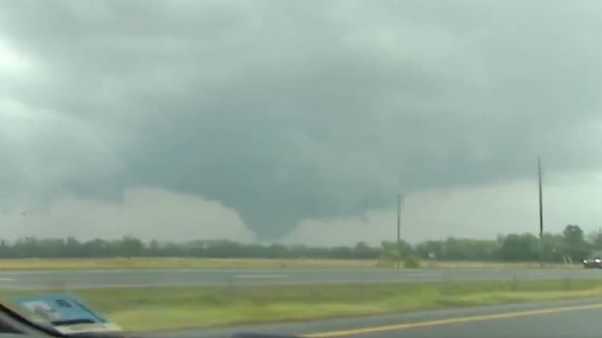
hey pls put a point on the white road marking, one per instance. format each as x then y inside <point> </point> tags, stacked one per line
<point>7,279</point>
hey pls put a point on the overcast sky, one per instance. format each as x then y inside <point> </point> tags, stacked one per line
<point>298,121</point>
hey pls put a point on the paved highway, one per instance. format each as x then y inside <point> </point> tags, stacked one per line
<point>247,277</point>
<point>569,319</point>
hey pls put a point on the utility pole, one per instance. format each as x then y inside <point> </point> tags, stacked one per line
<point>539,180</point>
<point>399,201</point>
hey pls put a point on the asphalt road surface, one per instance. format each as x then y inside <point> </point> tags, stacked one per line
<point>569,319</point>
<point>248,277</point>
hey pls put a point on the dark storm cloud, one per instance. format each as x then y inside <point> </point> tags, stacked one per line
<point>285,111</point>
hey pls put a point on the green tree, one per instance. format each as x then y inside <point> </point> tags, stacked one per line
<point>576,246</point>
<point>554,247</point>
<point>131,247</point>
<point>392,251</point>
<point>596,240</point>
<point>363,251</point>
<point>520,247</point>
<point>469,249</point>
<point>431,250</point>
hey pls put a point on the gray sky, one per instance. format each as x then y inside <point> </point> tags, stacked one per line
<point>276,120</point>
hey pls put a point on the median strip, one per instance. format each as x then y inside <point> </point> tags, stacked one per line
<point>168,308</point>
<point>261,276</point>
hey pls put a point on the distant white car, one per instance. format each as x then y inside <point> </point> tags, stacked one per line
<point>592,263</point>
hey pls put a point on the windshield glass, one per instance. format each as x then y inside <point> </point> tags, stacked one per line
<point>210,165</point>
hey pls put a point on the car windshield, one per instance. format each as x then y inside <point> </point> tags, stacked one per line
<point>327,168</point>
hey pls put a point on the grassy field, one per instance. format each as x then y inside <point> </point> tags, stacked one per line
<point>209,263</point>
<point>177,308</point>
<point>177,263</point>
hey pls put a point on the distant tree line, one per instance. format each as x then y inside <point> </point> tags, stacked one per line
<point>570,245</point>
<point>31,247</point>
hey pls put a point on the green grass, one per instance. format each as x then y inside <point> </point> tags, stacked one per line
<point>176,263</point>
<point>245,263</point>
<point>177,308</point>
